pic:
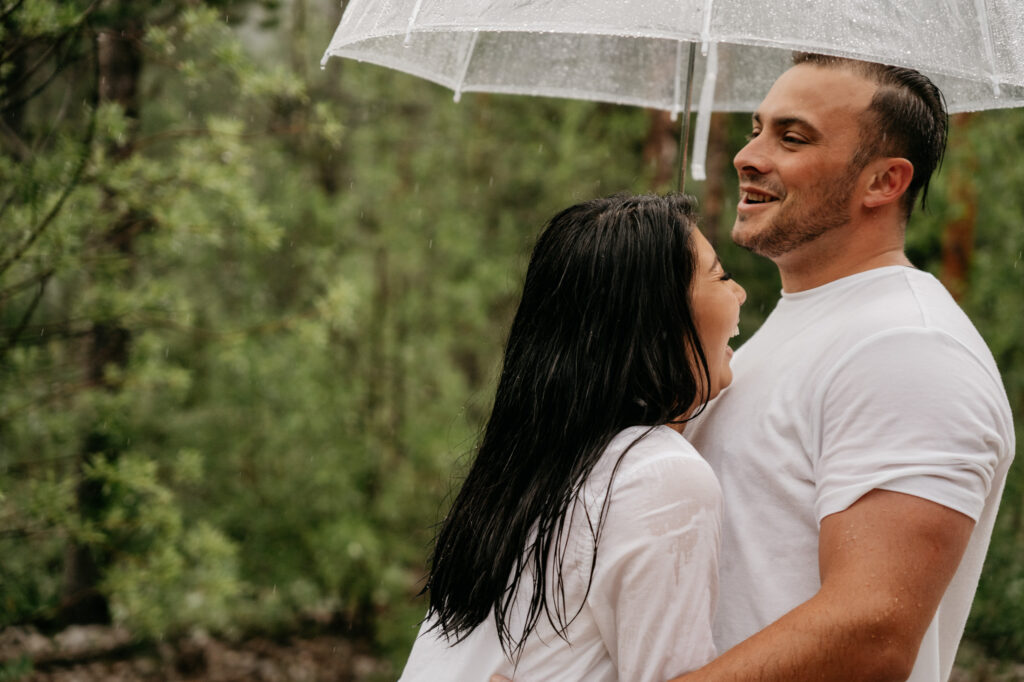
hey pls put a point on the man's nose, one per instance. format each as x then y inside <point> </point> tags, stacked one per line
<point>752,159</point>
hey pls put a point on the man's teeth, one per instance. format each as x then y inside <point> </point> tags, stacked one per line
<point>758,198</point>
<point>735,332</point>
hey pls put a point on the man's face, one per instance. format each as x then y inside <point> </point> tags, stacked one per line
<point>797,180</point>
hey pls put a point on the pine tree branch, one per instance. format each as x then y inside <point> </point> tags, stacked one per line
<point>8,11</point>
<point>24,533</point>
<point>76,178</point>
<point>53,43</point>
<point>21,150</point>
<point>66,390</point>
<point>7,202</point>
<point>25,466</point>
<point>29,312</point>
<point>11,291</point>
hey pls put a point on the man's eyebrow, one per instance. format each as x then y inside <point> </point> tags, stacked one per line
<point>797,122</point>
<point>783,121</point>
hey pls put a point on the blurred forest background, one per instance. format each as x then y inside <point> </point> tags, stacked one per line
<point>251,311</point>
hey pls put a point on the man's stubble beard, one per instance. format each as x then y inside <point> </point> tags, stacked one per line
<point>792,227</point>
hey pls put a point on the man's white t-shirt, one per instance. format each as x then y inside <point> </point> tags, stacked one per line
<point>647,616</point>
<point>874,381</point>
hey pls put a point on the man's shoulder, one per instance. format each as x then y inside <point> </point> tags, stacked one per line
<point>897,297</point>
<point>914,310</point>
<point>902,301</point>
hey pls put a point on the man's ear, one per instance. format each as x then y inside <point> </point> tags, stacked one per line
<point>887,181</point>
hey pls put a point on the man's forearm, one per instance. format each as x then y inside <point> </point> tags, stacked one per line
<point>809,643</point>
<point>881,584</point>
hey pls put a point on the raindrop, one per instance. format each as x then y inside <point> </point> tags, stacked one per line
<point>490,183</point>
<point>540,148</point>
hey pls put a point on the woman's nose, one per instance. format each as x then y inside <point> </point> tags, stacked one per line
<point>741,293</point>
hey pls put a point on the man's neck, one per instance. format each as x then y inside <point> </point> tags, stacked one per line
<point>803,276</point>
<point>863,246</point>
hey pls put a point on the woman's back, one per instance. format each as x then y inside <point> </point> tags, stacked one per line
<point>647,615</point>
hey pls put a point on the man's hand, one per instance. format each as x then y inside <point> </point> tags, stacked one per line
<point>885,563</point>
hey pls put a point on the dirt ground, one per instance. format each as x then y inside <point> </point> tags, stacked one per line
<point>104,654</point>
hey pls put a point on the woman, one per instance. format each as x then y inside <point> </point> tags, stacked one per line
<point>584,541</point>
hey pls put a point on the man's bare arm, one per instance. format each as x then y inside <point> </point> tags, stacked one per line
<point>885,563</point>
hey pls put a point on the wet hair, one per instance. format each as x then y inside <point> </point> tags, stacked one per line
<point>906,118</point>
<point>603,339</point>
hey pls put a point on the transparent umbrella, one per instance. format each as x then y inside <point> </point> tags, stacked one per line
<point>653,53</point>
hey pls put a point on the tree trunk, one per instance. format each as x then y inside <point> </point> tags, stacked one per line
<point>958,235</point>
<point>661,149</point>
<point>713,203</point>
<point>661,152</point>
<point>119,67</point>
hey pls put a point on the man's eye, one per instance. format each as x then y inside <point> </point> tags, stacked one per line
<point>752,134</point>
<point>726,276</point>
<point>793,139</point>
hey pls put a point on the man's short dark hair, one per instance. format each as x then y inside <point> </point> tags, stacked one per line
<point>906,118</point>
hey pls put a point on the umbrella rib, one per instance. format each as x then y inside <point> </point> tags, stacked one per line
<point>412,21</point>
<point>678,80</point>
<point>986,39</point>
<point>698,169</point>
<point>684,132</point>
<point>705,31</point>
<point>465,66</point>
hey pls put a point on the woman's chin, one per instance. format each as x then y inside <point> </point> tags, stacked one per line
<point>721,384</point>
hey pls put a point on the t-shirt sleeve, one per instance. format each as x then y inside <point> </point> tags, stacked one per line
<point>656,578</point>
<point>911,411</point>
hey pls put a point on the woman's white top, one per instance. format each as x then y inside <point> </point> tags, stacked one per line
<point>648,613</point>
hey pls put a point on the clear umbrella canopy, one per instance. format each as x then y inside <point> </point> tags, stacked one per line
<point>636,51</point>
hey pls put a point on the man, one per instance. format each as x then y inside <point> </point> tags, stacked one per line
<point>864,442</point>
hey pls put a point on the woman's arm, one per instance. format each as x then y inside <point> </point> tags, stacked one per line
<point>655,582</point>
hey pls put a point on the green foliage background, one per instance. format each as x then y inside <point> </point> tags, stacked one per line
<point>322,267</point>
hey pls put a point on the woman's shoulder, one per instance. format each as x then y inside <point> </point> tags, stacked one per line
<point>641,447</point>
<point>658,460</point>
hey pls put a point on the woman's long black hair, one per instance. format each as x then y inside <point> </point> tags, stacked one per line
<point>603,340</point>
